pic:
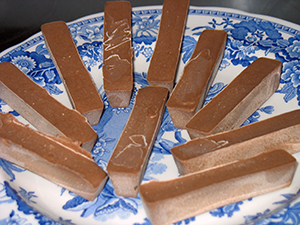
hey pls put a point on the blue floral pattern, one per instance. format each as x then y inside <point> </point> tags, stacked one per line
<point>248,38</point>
<point>38,66</point>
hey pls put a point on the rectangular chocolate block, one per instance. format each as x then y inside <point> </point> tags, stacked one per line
<point>190,92</point>
<point>239,100</point>
<point>40,109</point>
<point>129,159</point>
<point>164,61</point>
<point>174,200</point>
<point>282,131</point>
<point>117,53</point>
<point>81,89</point>
<point>57,159</point>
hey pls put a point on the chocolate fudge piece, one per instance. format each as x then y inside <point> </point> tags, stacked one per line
<point>164,61</point>
<point>177,199</point>
<point>129,159</point>
<point>239,100</point>
<point>282,131</point>
<point>40,109</point>
<point>190,92</point>
<point>78,82</point>
<point>117,53</point>
<point>57,159</point>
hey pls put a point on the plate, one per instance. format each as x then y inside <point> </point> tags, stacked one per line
<point>26,198</point>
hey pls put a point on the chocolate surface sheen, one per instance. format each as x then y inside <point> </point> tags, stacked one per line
<point>57,159</point>
<point>78,82</point>
<point>117,53</point>
<point>40,109</point>
<point>190,92</point>
<point>164,61</point>
<point>129,159</point>
<point>177,199</point>
<point>282,131</point>
<point>239,100</point>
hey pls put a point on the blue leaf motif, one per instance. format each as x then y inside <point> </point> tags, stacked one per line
<point>166,146</point>
<point>266,43</point>
<point>273,33</point>
<point>250,25</point>
<point>27,195</point>
<point>188,46</point>
<point>225,63</point>
<point>128,206</point>
<point>73,203</point>
<point>179,138</point>
<point>273,50</point>
<point>282,42</point>
<point>41,49</point>
<point>52,89</point>
<point>9,167</point>
<point>157,157</point>
<point>289,90</point>
<point>214,90</point>
<point>114,205</point>
<point>213,23</point>
<point>154,168</point>
<point>111,206</point>
<point>226,210</point>
<point>268,109</point>
<point>84,37</point>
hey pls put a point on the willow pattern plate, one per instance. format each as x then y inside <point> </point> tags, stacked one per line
<point>26,198</point>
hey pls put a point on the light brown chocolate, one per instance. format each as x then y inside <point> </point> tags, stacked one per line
<point>129,159</point>
<point>40,109</point>
<point>190,92</point>
<point>81,89</point>
<point>57,159</point>
<point>282,131</point>
<point>117,53</point>
<point>164,61</point>
<point>239,100</point>
<point>174,200</point>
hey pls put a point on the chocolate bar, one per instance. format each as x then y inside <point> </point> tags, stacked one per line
<point>40,109</point>
<point>80,87</point>
<point>170,201</point>
<point>57,159</point>
<point>129,159</point>
<point>164,61</point>
<point>239,100</point>
<point>117,53</point>
<point>282,131</point>
<point>190,92</point>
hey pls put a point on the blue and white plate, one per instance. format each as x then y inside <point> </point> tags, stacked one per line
<point>26,198</point>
